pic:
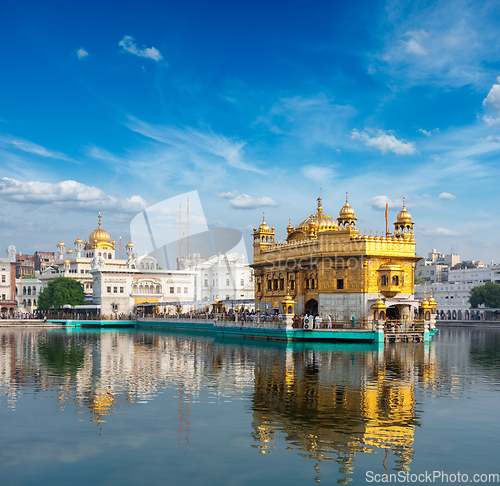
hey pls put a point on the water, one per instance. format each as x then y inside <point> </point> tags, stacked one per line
<point>157,407</point>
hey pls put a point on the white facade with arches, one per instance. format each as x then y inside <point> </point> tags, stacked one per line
<point>452,296</point>
<point>118,290</point>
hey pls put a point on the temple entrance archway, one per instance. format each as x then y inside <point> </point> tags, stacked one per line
<point>311,306</point>
<point>392,312</point>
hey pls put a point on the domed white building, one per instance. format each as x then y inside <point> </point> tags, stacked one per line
<point>78,263</point>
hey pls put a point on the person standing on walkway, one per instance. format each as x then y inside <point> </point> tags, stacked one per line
<point>329,321</point>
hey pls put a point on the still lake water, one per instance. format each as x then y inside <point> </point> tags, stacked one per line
<point>158,407</point>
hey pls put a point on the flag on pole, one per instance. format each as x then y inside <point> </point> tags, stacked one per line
<point>386,225</point>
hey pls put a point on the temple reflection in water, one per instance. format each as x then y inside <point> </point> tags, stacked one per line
<point>326,402</point>
<point>333,404</point>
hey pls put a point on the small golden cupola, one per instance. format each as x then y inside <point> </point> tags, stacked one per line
<point>264,235</point>
<point>404,225</point>
<point>346,217</point>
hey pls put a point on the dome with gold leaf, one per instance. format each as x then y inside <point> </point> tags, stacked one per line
<point>320,220</point>
<point>263,226</point>
<point>99,238</point>
<point>404,216</point>
<point>346,212</point>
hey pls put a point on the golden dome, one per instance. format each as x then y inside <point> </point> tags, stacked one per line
<point>379,304</point>
<point>404,216</point>
<point>346,212</point>
<point>289,228</point>
<point>129,244</point>
<point>60,243</point>
<point>431,299</point>
<point>70,251</point>
<point>78,240</point>
<point>99,235</point>
<point>263,226</point>
<point>424,302</point>
<point>320,220</point>
<point>67,261</point>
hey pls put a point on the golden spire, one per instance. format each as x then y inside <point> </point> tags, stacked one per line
<point>99,219</point>
<point>320,208</point>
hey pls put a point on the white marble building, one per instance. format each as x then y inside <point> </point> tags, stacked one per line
<point>452,296</point>
<point>222,276</point>
<point>77,264</point>
<point>118,290</point>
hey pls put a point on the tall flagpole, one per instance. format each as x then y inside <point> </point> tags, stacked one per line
<point>386,224</point>
<point>180,239</point>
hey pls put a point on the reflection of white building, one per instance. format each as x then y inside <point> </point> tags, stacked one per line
<point>117,290</point>
<point>76,264</point>
<point>453,296</point>
<point>225,276</point>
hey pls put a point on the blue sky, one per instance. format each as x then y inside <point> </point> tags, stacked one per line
<point>259,106</point>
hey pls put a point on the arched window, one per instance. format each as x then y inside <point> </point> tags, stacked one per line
<point>99,253</point>
<point>382,315</point>
<point>158,289</point>
<point>109,256</point>
<point>134,289</point>
<point>427,315</point>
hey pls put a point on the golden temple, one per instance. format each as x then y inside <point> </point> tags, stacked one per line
<point>329,268</point>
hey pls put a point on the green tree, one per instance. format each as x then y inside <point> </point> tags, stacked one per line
<point>465,264</point>
<point>487,294</point>
<point>419,280</point>
<point>61,291</point>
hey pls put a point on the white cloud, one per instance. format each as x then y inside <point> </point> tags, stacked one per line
<point>442,43</point>
<point>493,98</point>
<point>244,201</point>
<point>81,53</point>
<point>446,196</point>
<point>318,173</point>
<point>385,142</point>
<point>492,139</point>
<point>491,120</point>
<point>443,232</point>
<point>32,148</point>
<point>413,47</point>
<point>427,133</point>
<point>196,144</point>
<point>378,203</point>
<point>66,194</point>
<point>128,44</point>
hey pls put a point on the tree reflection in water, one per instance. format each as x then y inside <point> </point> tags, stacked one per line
<point>61,354</point>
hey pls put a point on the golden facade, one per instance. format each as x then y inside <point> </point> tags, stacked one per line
<point>328,267</point>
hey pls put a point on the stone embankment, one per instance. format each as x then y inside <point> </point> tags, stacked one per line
<point>28,323</point>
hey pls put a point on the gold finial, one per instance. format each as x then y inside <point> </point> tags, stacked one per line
<point>404,202</point>
<point>320,209</point>
<point>99,218</point>
<point>346,197</point>
<point>263,217</point>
